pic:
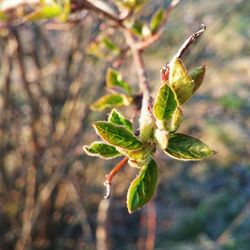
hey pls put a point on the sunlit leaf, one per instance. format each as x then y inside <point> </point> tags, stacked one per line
<point>102,150</point>
<point>166,103</point>
<point>139,157</point>
<point>117,135</point>
<point>142,188</point>
<point>187,148</point>
<point>156,20</point>
<point>136,27</point>
<point>197,75</point>
<point>180,81</point>
<point>114,79</point>
<point>110,101</point>
<point>110,45</point>
<point>173,124</point>
<point>116,118</point>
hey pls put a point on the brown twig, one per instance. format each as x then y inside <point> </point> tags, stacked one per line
<point>189,42</point>
<point>158,33</point>
<point>184,47</point>
<point>110,176</point>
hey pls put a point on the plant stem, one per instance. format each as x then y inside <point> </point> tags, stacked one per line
<point>110,176</point>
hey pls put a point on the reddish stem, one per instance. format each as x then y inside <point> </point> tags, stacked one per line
<point>110,176</point>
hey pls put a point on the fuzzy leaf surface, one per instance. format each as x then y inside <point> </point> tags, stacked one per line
<point>180,81</point>
<point>102,150</point>
<point>116,118</point>
<point>117,135</point>
<point>110,101</point>
<point>187,148</point>
<point>142,188</point>
<point>166,103</point>
<point>114,79</point>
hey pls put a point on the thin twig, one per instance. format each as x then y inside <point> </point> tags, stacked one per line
<point>184,47</point>
<point>158,33</point>
<point>110,176</point>
<point>189,42</point>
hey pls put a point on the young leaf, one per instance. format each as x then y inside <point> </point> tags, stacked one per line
<point>110,101</point>
<point>139,157</point>
<point>46,11</point>
<point>156,20</point>
<point>180,81</point>
<point>117,135</point>
<point>146,120</point>
<point>187,148</point>
<point>110,45</point>
<point>173,124</point>
<point>102,150</point>
<point>114,79</point>
<point>197,75</point>
<point>166,103</point>
<point>116,118</point>
<point>142,187</point>
<point>161,138</point>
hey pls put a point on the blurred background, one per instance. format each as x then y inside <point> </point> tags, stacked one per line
<point>51,193</point>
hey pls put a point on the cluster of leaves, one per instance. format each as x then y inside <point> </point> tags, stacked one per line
<point>157,129</point>
<point>37,10</point>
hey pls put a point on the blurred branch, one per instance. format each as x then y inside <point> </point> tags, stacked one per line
<point>141,45</point>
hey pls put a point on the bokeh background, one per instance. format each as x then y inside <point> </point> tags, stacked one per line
<point>51,193</point>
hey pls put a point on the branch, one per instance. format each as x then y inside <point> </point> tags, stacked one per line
<point>156,36</point>
<point>89,6</point>
<point>110,176</point>
<point>189,41</point>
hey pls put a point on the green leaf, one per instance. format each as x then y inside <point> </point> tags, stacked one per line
<point>117,135</point>
<point>102,150</point>
<point>197,75</point>
<point>166,103</point>
<point>187,148</point>
<point>180,81</point>
<point>110,45</point>
<point>46,10</point>
<point>156,20</point>
<point>136,27</point>
<point>173,124</point>
<point>114,79</point>
<point>110,101</point>
<point>142,188</point>
<point>139,157</point>
<point>116,118</point>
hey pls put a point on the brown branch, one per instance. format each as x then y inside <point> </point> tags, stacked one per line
<point>110,176</point>
<point>184,47</point>
<point>151,226</point>
<point>89,6</point>
<point>189,42</point>
<point>158,33</point>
